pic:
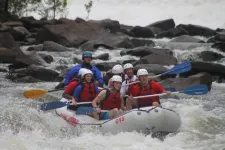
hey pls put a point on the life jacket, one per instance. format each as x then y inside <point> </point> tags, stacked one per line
<point>74,80</point>
<point>131,86</point>
<point>88,92</point>
<point>72,86</point>
<point>111,101</point>
<point>146,90</point>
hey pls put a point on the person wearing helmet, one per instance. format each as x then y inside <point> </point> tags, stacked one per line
<point>86,57</point>
<point>109,100</point>
<point>116,70</point>
<point>87,90</point>
<point>69,90</point>
<point>145,87</point>
<point>130,77</point>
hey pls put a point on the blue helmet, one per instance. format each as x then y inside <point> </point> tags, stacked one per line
<point>87,54</point>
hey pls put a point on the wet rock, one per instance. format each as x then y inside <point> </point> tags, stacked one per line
<point>144,32</point>
<point>102,57</point>
<point>112,25</point>
<point>151,68</point>
<point>48,58</point>
<point>160,59</point>
<point>144,51</point>
<point>105,66</point>
<point>163,24</point>
<point>210,56</point>
<point>182,83</point>
<point>211,68</point>
<point>219,45</point>
<point>173,32</point>
<point>197,30</point>
<point>187,38</point>
<point>50,46</point>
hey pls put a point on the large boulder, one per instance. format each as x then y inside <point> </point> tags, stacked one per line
<point>198,30</point>
<point>163,24</point>
<point>211,68</point>
<point>36,72</point>
<point>151,68</point>
<point>105,66</point>
<point>144,51</point>
<point>7,56</point>
<point>112,25</point>
<point>210,56</point>
<point>173,32</point>
<point>161,59</point>
<point>50,46</point>
<point>219,45</point>
<point>182,83</point>
<point>144,32</point>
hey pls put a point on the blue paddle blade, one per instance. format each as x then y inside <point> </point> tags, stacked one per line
<point>196,90</point>
<point>53,105</point>
<point>179,68</point>
<point>170,89</point>
<point>84,110</point>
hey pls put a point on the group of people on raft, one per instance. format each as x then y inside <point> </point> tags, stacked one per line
<point>83,82</point>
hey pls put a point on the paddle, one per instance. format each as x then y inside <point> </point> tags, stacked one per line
<point>192,90</point>
<point>84,110</point>
<point>37,93</point>
<point>59,104</point>
<point>179,68</point>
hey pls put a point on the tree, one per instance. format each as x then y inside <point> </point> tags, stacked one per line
<point>88,7</point>
<point>49,8</point>
<point>18,7</point>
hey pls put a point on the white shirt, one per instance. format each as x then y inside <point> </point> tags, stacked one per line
<point>124,88</point>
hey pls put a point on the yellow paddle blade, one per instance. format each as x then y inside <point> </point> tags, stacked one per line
<point>34,93</point>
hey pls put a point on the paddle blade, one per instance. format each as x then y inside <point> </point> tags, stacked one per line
<point>179,68</point>
<point>170,89</point>
<point>84,110</point>
<point>53,105</point>
<point>196,90</point>
<point>34,93</point>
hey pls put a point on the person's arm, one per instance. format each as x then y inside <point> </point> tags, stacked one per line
<point>96,88</point>
<point>98,76</point>
<point>159,89</point>
<point>67,96</point>
<point>98,98</point>
<point>76,94</point>
<point>123,90</point>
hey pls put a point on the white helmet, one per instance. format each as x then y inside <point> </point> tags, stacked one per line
<point>142,72</point>
<point>81,71</point>
<point>128,65</point>
<point>117,69</point>
<point>86,72</point>
<point>116,78</point>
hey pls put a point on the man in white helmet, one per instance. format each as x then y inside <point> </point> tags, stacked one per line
<point>130,77</point>
<point>145,87</point>
<point>109,100</point>
<point>116,70</point>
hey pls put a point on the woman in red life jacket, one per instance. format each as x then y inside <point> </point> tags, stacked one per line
<point>69,90</point>
<point>109,100</point>
<point>145,87</point>
<point>87,90</point>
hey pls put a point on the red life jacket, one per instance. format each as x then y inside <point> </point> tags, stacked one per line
<point>88,93</point>
<point>131,86</point>
<point>146,90</point>
<point>72,86</point>
<point>111,101</point>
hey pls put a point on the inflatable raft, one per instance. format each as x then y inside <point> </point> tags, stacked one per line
<point>144,120</point>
